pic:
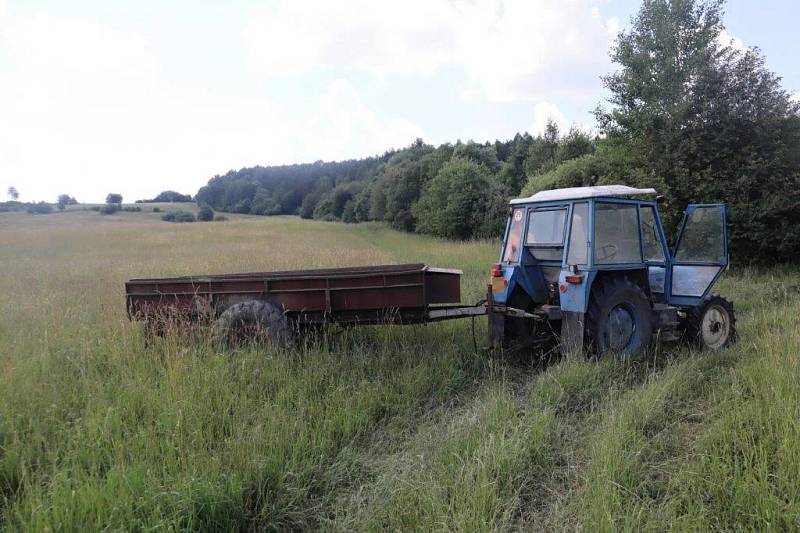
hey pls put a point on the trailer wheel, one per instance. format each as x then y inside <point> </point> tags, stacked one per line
<point>619,318</point>
<point>712,324</point>
<point>253,321</point>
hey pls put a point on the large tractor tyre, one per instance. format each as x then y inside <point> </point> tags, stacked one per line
<point>619,319</point>
<point>712,324</point>
<point>253,321</point>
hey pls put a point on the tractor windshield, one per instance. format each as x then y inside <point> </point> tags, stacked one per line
<point>513,238</point>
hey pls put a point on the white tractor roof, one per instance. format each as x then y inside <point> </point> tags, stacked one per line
<point>575,193</point>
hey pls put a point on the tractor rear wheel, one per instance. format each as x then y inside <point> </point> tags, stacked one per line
<point>619,318</point>
<point>253,321</point>
<point>712,324</point>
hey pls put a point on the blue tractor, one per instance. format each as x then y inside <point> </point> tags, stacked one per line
<point>592,265</point>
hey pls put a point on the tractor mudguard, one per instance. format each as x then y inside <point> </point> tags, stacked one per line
<point>574,290</point>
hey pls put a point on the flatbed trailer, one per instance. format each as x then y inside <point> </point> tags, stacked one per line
<point>406,294</point>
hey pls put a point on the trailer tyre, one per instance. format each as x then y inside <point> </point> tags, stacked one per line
<point>712,324</point>
<point>253,321</point>
<point>619,319</point>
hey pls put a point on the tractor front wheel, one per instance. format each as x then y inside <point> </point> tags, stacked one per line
<point>712,324</point>
<point>619,318</point>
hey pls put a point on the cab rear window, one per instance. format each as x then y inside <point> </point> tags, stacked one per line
<point>545,237</point>
<point>546,227</point>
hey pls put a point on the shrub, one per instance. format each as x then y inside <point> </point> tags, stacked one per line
<point>403,221</point>
<point>156,210</point>
<point>64,200</point>
<point>220,218</point>
<point>450,203</point>
<point>205,214</point>
<point>167,197</point>
<point>109,209</point>
<point>581,172</point>
<point>40,208</point>
<point>132,209</point>
<point>178,216</point>
<point>113,198</point>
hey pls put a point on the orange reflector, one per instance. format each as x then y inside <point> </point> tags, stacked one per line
<point>497,272</point>
<point>499,284</point>
<point>562,288</point>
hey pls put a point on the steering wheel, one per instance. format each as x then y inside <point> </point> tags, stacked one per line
<point>609,251</point>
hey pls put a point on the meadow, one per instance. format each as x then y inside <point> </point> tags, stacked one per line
<point>376,428</point>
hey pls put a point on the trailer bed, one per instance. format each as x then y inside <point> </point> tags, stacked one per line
<point>370,294</point>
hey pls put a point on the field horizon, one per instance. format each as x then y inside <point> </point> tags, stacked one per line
<point>375,428</point>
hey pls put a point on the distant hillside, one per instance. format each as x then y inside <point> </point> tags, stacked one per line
<point>403,187</point>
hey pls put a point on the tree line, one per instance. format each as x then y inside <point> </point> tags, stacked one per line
<point>692,116</point>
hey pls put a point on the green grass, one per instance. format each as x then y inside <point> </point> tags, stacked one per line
<point>379,428</point>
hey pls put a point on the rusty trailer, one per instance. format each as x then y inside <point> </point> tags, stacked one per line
<point>403,294</point>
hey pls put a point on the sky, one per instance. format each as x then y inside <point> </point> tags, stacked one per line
<point>143,96</point>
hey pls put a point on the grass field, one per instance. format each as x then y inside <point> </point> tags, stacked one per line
<point>379,428</point>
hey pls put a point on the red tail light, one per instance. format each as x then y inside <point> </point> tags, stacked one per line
<point>575,279</point>
<point>497,272</point>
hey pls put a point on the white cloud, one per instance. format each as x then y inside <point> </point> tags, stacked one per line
<point>517,49</point>
<point>613,27</point>
<point>348,128</point>
<point>543,112</point>
<point>726,39</point>
<point>88,109</point>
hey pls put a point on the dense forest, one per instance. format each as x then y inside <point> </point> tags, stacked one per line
<point>692,116</point>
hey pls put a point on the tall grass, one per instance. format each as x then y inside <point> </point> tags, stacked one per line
<point>379,428</point>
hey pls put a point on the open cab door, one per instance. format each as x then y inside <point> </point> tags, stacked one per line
<point>701,254</point>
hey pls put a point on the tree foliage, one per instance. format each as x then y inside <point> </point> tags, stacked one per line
<point>168,197</point>
<point>113,198</point>
<point>451,204</point>
<point>705,122</point>
<point>64,200</point>
<point>397,186</point>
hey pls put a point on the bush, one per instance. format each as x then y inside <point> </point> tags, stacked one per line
<point>584,171</point>
<point>113,198</point>
<point>178,216</point>
<point>64,200</point>
<point>450,203</point>
<point>108,209</point>
<point>132,209</point>
<point>168,197</point>
<point>403,221</point>
<point>156,210</point>
<point>205,214</point>
<point>220,218</point>
<point>40,208</point>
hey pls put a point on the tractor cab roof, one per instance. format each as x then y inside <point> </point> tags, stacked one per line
<point>578,193</point>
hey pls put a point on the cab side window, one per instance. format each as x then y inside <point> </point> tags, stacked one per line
<point>651,240</point>
<point>579,235</point>
<point>616,234</point>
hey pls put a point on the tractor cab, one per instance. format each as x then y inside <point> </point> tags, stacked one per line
<point>565,250</point>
